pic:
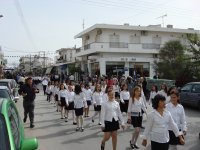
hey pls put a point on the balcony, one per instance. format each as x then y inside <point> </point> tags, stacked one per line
<point>118,45</point>
<point>150,46</point>
<point>86,46</point>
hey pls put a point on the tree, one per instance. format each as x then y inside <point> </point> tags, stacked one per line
<point>194,57</point>
<point>172,62</point>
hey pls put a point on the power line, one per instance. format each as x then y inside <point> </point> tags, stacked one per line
<point>24,23</point>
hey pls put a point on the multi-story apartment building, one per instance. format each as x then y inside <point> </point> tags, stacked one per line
<point>66,55</point>
<point>124,49</point>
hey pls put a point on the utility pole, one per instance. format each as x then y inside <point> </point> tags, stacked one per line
<point>162,19</point>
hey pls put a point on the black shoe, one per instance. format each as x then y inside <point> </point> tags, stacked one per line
<point>99,123</point>
<point>74,123</point>
<point>93,120</point>
<point>24,120</point>
<point>142,127</point>
<point>136,146</point>
<point>32,126</point>
<point>82,129</point>
<point>132,145</point>
<point>77,129</point>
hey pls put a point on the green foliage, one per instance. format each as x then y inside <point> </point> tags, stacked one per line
<point>172,60</point>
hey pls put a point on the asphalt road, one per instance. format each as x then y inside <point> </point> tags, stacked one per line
<point>55,134</point>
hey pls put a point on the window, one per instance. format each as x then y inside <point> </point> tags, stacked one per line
<point>4,94</point>
<point>135,39</point>
<point>186,88</point>
<point>196,88</point>
<point>4,144</point>
<point>15,126</point>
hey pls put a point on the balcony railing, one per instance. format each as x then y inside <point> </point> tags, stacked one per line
<point>118,45</point>
<point>150,46</point>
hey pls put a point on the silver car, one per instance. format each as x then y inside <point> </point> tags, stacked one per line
<point>5,93</point>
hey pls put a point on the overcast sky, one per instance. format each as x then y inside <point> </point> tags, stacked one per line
<point>30,26</point>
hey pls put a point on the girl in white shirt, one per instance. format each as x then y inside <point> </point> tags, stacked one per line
<point>116,89</point>
<point>88,95</point>
<point>103,87</point>
<point>49,91</point>
<point>105,95</point>
<point>110,117</point>
<point>97,101</point>
<point>124,98</point>
<point>163,90</point>
<point>70,95</point>
<point>154,90</point>
<point>158,122</point>
<point>178,115</point>
<point>79,104</point>
<point>63,100</point>
<point>55,94</point>
<point>135,107</point>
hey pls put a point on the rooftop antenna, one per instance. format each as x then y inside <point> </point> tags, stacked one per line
<point>83,24</point>
<point>162,19</point>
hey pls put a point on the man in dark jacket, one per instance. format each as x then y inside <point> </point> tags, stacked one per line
<point>28,91</point>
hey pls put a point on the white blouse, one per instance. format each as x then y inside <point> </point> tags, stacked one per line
<point>55,90</point>
<point>178,114</point>
<point>152,95</point>
<point>157,126</point>
<point>88,94</point>
<point>63,93</point>
<point>70,96</point>
<point>110,110</point>
<point>124,95</point>
<point>136,106</point>
<point>79,100</point>
<point>97,98</point>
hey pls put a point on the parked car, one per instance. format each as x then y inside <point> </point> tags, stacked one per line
<point>190,94</point>
<point>11,84</point>
<point>5,93</point>
<point>12,130</point>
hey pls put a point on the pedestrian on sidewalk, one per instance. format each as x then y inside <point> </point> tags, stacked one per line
<point>28,91</point>
<point>110,117</point>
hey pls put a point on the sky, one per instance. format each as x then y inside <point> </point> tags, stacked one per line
<point>30,26</point>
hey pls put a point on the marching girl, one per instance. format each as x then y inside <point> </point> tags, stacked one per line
<point>103,87</point>
<point>55,94</point>
<point>79,104</point>
<point>124,98</point>
<point>49,91</point>
<point>116,89</point>
<point>154,90</point>
<point>88,95</point>
<point>111,115</point>
<point>158,122</point>
<point>63,99</point>
<point>135,107</point>
<point>163,90</point>
<point>97,101</point>
<point>70,95</point>
<point>105,95</point>
<point>178,115</point>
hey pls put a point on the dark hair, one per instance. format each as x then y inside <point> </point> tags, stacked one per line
<point>122,88</point>
<point>77,89</point>
<point>171,89</point>
<point>156,100</point>
<point>156,88</point>
<point>87,85</point>
<point>107,87</point>
<point>165,87</point>
<point>177,94</point>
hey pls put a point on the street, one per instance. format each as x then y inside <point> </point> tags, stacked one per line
<point>54,133</point>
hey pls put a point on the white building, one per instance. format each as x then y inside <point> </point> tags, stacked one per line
<point>124,49</point>
<point>66,55</point>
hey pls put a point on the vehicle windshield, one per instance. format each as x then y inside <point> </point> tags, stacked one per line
<point>4,84</point>
<point>4,145</point>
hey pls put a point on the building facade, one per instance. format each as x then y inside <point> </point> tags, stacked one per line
<point>124,49</point>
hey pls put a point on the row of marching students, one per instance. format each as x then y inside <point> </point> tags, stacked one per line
<point>159,121</point>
